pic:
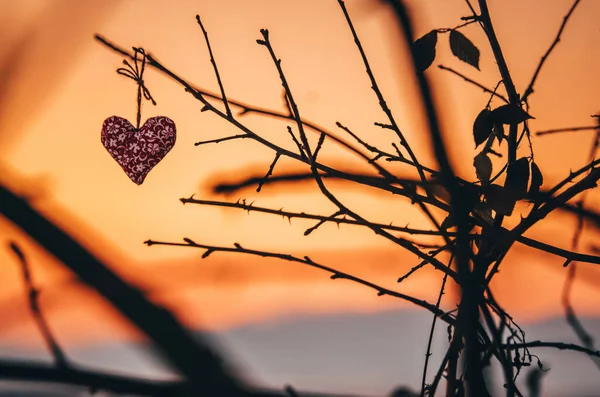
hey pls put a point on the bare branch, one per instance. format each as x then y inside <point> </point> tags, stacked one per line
<point>300,149</point>
<point>382,102</point>
<point>529,89</point>
<point>269,172</point>
<point>212,60</point>
<point>319,145</point>
<point>324,220</point>
<point>468,315</point>
<point>468,80</point>
<point>553,345</point>
<point>568,129</point>
<point>335,274</point>
<point>227,138</point>
<point>57,353</point>
<point>189,355</point>
<point>431,331</point>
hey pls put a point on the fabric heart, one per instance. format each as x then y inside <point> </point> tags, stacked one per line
<point>138,151</point>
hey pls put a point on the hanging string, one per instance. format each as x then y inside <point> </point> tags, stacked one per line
<point>136,72</point>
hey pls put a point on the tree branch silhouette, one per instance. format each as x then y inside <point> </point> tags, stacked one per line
<point>190,356</point>
<point>59,357</point>
<point>472,230</point>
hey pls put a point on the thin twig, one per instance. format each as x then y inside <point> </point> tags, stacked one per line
<point>529,89</point>
<point>431,331</point>
<point>212,60</point>
<point>269,172</point>
<point>401,242</point>
<point>32,372</point>
<point>420,265</point>
<point>471,81</point>
<point>553,345</point>
<point>57,353</point>
<point>227,138</point>
<point>381,100</point>
<point>570,315</point>
<point>242,204</point>
<point>468,315</point>
<point>569,129</point>
<point>335,274</point>
<point>200,94</point>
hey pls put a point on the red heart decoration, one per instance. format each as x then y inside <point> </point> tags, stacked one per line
<point>138,151</point>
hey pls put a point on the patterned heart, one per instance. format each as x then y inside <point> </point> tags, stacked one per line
<point>138,151</point>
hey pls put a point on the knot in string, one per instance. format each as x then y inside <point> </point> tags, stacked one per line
<point>136,72</point>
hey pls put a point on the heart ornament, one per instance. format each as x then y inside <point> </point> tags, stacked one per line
<point>138,150</point>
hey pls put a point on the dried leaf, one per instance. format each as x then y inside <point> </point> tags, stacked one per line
<point>517,177</point>
<point>482,127</point>
<point>424,51</point>
<point>500,200</point>
<point>536,179</point>
<point>464,49</point>
<point>483,167</point>
<point>509,114</point>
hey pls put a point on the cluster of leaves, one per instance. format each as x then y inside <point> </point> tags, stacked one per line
<point>424,48</point>
<point>521,181</point>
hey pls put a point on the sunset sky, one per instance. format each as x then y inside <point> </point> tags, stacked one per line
<point>58,85</point>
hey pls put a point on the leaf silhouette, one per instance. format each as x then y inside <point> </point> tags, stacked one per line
<point>500,200</point>
<point>484,211</point>
<point>424,51</point>
<point>464,49</point>
<point>517,178</point>
<point>499,131</point>
<point>483,167</point>
<point>509,114</point>
<point>536,179</point>
<point>448,222</point>
<point>482,127</point>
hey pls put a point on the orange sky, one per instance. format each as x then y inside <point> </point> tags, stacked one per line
<point>62,85</point>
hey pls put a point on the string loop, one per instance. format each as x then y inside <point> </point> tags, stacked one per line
<point>136,72</point>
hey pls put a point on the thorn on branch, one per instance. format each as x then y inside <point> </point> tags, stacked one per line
<point>207,253</point>
<point>184,201</point>
<point>189,241</point>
